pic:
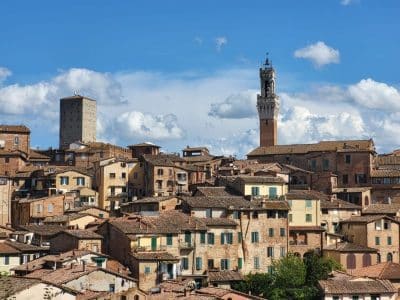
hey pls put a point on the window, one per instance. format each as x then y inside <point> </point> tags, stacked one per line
<point>226,238</point>
<point>123,175</point>
<point>351,261</point>
<point>16,140</point>
<point>366,259</point>
<point>270,269</point>
<point>255,215</point>
<point>39,208</point>
<point>308,218</point>
<point>236,215</point>
<point>308,203</point>
<point>386,225</point>
<point>210,238</point>
<point>224,264</point>
<point>240,237</point>
<point>270,252</point>
<point>64,180</point>
<point>208,213</point>
<point>80,181</point>
<point>345,179</point>
<point>270,232</point>
<point>135,175</point>
<point>377,240</point>
<point>273,193</point>
<point>170,172</point>
<point>111,288</point>
<point>378,225</point>
<point>360,178</point>
<point>283,251</point>
<point>188,237</point>
<point>199,263</point>
<point>313,165</point>
<point>325,164</point>
<point>282,232</point>
<point>378,258</point>
<point>255,191</point>
<point>210,264</point>
<point>335,298</point>
<point>112,191</point>
<point>169,239</point>
<point>147,270</point>
<point>355,297</point>
<point>290,218</point>
<point>112,175</point>
<point>7,160</point>
<point>240,263</point>
<point>254,237</point>
<point>50,208</point>
<point>6,260</point>
<point>185,263</point>
<point>256,262</point>
<point>347,158</point>
<point>389,257</point>
<point>202,237</point>
<point>160,172</point>
<point>389,240</point>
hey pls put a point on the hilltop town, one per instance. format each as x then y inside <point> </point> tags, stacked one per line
<point>94,220</point>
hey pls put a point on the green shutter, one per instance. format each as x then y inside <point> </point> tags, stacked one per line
<point>273,192</point>
<point>240,237</point>
<point>202,237</point>
<point>240,263</point>
<point>153,243</point>
<point>169,239</point>
<point>198,263</point>
<point>210,238</point>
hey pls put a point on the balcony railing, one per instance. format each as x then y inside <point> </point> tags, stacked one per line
<point>149,248</point>
<point>186,245</point>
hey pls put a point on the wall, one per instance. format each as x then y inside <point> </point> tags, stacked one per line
<point>298,210</point>
<point>13,262</point>
<point>72,183</point>
<point>40,291</point>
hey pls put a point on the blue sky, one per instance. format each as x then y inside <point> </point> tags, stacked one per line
<point>186,72</point>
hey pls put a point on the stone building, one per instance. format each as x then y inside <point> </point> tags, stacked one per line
<point>76,240</point>
<point>144,148</point>
<point>375,231</point>
<point>15,138</point>
<point>6,191</point>
<point>77,120</point>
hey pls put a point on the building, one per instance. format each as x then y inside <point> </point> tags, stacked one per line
<point>385,271</point>
<point>6,191</point>
<point>15,138</point>
<point>144,148</point>
<point>268,107</point>
<point>375,231</point>
<point>77,120</point>
<point>77,239</point>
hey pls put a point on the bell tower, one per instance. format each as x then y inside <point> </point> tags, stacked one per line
<point>268,106</point>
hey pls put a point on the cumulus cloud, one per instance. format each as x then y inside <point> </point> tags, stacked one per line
<point>220,42</point>
<point>135,124</point>
<point>319,54</point>
<point>4,73</point>
<point>236,106</point>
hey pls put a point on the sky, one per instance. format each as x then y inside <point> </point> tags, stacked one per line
<point>180,73</point>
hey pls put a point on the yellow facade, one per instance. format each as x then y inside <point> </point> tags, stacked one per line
<point>72,180</point>
<point>304,212</point>
<point>265,189</point>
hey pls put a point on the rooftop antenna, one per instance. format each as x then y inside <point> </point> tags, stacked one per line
<point>76,93</point>
<point>267,62</point>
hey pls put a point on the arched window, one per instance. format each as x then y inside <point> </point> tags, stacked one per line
<point>389,257</point>
<point>351,261</point>
<point>366,260</point>
<point>378,258</point>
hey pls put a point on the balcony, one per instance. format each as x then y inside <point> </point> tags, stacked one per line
<point>186,245</point>
<point>149,248</point>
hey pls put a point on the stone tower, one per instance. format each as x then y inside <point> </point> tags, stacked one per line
<point>77,120</point>
<point>268,106</point>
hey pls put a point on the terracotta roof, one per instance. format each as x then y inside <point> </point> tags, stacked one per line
<point>65,218</point>
<point>385,173</point>
<point>34,155</point>
<point>54,198</point>
<point>152,199</point>
<point>387,160</point>
<point>43,230</point>
<point>269,204</point>
<point>382,208</point>
<point>83,234</point>
<point>345,145</point>
<point>224,276</point>
<point>211,191</point>
<point>219,222</point>
<point>306,195</point>
<point>338,204</point>
<point>7,249</point>
<point>160,160</point>
<point>14,128</point>
<point>25,247</point>
<point>366,219</point>
<point>357,287</point>
<point>221,293</point>
<point>156,255</point>
<point>166,222</point>
<point>259,179</point>
<point>349,247</point>
<point>217,202</point>
<point>306,228</point>
<point>10,285</point>
<point>386,270</point>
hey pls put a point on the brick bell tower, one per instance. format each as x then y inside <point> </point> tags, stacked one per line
<point>268,106</point>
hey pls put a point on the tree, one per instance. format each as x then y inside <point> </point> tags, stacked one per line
<point>257,284</point>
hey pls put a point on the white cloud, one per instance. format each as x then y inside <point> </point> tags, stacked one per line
<point>220,42</point>
<point>375,95</point>
<point>347,2</point>
<point>319,53</point>
<point>4,73</point>
<point>236,106</point>
<point>135,124</point>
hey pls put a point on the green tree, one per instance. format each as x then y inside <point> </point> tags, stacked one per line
<point>257,284</point>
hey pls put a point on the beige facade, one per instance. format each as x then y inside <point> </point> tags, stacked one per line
<point>6,190</point>
<point>75,240</point>
<point>72,181</point>
<point>77,120</point>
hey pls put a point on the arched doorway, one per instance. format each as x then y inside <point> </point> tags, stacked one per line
<point>389,257</point>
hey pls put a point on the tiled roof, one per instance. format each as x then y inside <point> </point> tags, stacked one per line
<point>25,247</point>
<point>156,255</point>
<point>224,275</point>
<point>387,160</point>
<point>382,208</point>
<point>217,202</point>
<point>356,287</point>
<point>14,128</point>
<point>306,228</point>
<point>219,222</point>
<point>166,222</point>
<point>83,234</point>
<point>54,198</point>
<point>259,179</point>
<point>349,247</point>
<point>386,270</point>
<point>159,160</point>
<point>152,199</point>
<point>385,173</point>
<point>306,195</point>
<point>7,249</point>
<point>346,145</point>
<point>10,285</point>
<point>44,230</point>
<point>338,204</point>
<point>145,144</point>
<point>269,204</point>
<point>64,218</point>
<point>34,155</point>
<point>211,191</point>
<point>366,219</point>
